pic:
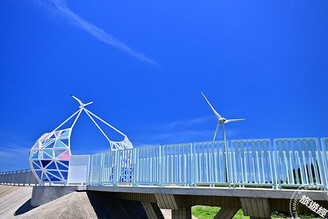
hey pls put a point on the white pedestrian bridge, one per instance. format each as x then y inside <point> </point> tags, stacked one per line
<point>257,175</point>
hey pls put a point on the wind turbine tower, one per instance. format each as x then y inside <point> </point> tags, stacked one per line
<point>221,120</point>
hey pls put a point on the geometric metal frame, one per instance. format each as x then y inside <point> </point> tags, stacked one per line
<point>49,156</point>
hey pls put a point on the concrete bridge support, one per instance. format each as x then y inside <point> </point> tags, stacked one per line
<point>181,208</point>
<point>256,207</point>
<point>181,213</point>
<point>152,210</point>
<point>226,213</point>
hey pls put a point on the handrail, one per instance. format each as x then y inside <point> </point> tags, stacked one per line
<point>277,163</point>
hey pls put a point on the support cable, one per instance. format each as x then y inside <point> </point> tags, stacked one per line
<point>86,111</point>
<point>105,122</point>
<point>66,120</point>
<point>78,115</point>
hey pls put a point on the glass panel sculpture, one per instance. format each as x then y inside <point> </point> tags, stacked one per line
<point>49,156</point>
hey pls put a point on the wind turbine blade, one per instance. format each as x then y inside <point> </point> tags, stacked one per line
<point>216,131</point>
<point>80,102</point>
<point>216,114</point>
<point>233,120</point>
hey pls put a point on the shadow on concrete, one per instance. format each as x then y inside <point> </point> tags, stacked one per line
<point>106,205</point>
<point>24,208</point>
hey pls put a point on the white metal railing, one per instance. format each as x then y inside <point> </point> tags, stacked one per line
<point>277,163</point>
<point>252,162</point>
<point>18,178</point>
<point>283,162</point>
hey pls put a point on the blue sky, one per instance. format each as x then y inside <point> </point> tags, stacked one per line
<point>144,63</point>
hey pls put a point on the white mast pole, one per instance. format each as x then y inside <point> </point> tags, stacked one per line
<point>223,132</point>
<point>216,131</point>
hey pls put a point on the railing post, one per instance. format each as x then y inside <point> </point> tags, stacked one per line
<point>90,170</point>
<point>160,166</point>
<point>231,165</point>
<point>116,167</point>
<point>22,180</point>
<point>30,176</point>
<point>101,166</point>
<point>12,180</point>
<point>134,174</point>
<point>227,162</point>
<point>192,167</point>
<point>25,177</point>
<point>323,160</point>
<point>277,175</point>
<point>272,165</point>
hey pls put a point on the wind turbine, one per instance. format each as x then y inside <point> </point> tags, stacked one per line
<point>221,120</point>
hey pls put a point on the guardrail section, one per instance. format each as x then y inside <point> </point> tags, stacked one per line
<point>18,178</point>
<point>252,162</point>
<point>300,162</point>
<point>209,163</point>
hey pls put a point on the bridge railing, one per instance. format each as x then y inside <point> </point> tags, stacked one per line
<point>252,162</point>
<point>277,163</point>
<point>18,178</point>
<point>210,163</point>
<point>300,162</point>
<point>283,162</point>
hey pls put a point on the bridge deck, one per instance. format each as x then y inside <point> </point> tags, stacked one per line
<point>255,202</point>
<point>218,191</point>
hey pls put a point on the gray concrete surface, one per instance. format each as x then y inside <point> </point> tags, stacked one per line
<point>226,213</point>
<point>74,205</point>
<point>152,210</point>
<point>181,213</point>
<point>71,204</point>
<point>167,213</point>
<point>256,207</point>
<point>12,198</point>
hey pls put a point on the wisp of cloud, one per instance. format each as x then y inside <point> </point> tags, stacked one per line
<point>59,8</point>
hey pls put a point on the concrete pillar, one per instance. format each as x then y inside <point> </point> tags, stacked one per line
<point>181,213</point>
<point>226,213</point>
<point>166,201</point>
<point>256,207</point>
<point>180,208</point>
<point>152,210</point>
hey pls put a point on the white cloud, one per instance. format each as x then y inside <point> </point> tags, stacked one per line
<point>15,151</point>
<point>183,131</point>
<point>187,123</point>
<point>6,154</point>
<point>59,8</point>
